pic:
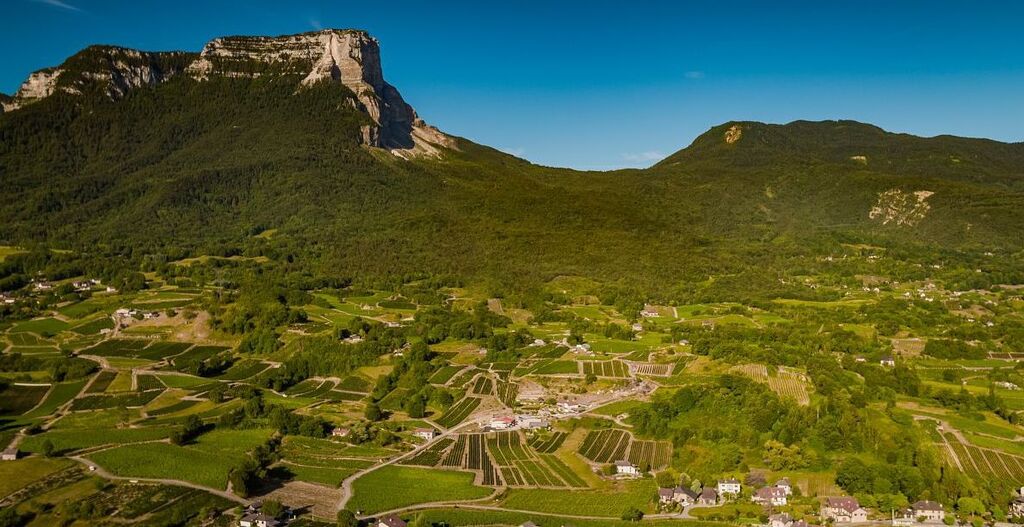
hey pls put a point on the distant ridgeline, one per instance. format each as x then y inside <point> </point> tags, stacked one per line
<point>197,154</point>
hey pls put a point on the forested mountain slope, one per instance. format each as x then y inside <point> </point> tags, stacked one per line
<point>190,165</point>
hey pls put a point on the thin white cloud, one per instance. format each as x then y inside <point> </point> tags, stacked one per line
<point>316,24</point>
<point>643,157</point>
<point>694,75</point>
<point>62,5</point>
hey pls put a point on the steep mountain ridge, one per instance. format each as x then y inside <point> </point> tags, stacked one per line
<point>350,58</point>
<point>262,134</point>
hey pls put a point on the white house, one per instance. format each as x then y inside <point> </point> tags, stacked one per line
<point>626,468</point>
<point>729,486</point>
<point>887,361</point>
<point>780,520</point>
<point>931,511</point>
<point>9,454</point>
<point>773,496</point>
<point>257,519</point>
<point>785,486</point>
<point>425,433</point>
<point>533,423</point>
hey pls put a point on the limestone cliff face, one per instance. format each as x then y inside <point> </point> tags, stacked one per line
<point>350,58</point>
<point>110,70</point>
<point>347,57</point>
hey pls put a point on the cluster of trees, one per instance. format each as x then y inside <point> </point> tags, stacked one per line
<point>190,429</point>
<point>249,475</point>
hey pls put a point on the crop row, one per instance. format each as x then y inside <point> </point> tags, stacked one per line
<point>650,454</point>
<point>458,412</point>
<point>654,369</point>
<point>483,386</point>
<point>508,392</point>
<point>431,455</point>
<point>606,368</point>
<point>605,446</point>
<point>546,444</point>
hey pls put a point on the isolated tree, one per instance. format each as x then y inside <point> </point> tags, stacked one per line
<point>48,449</point>
<point>347,518</point>
<point>372,412</point>
<point>632,514</point>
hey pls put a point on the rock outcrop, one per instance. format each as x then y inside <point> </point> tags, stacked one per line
<point>350,58</point>
<point>110,70</point>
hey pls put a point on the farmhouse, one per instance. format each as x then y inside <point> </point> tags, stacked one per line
<point>929,510</point>
<point>844,510</point>
<point>650,312</point>
<point>728,486</point>
<point>887,361</point>
<point>708,496</point>
<point>533,423</point>
<point>9,454</point>
<point>626,468</point>
<point>257,519</point>
<point>785,486</point>
<point>773,496</point>
<point>425,433</point>
<point>83,285</point>
<point>680,495</point>
<point>340,432</point>
<point>390,521</point>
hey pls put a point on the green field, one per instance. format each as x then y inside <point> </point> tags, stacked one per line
<point>596,503</point>
<point>206,462</point>
<point>392,487</point>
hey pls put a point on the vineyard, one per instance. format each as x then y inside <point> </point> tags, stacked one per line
<point>984,463</point>
<point>787,384</point>
<point>501,458</point>
<point>605,368</point>
<point>458,412</point>
<point>508,392</point>
<point>650,455</point>
<point>650,368</point>
<point>431,456</point>
<point>607,446</point>
<point>546,444</point>
<point>483,386</point>
<point>521,467</point>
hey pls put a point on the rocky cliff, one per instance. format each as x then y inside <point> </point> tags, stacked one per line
<point>109,70</point>
<point>348,57</point>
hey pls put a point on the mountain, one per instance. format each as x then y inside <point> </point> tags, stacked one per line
<point>301,139</point>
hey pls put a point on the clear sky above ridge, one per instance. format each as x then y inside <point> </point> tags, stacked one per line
<point>610,84</point>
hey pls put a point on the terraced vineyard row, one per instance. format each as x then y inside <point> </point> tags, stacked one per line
<point>431,455</point>
<point>456,457</point>
<point>785,383</point>
<point>605,446</point>
<point>507,393</point>
<point>458,412</point>
<point>483,386</point>
<point>985,463</point>
<point>548,444</point>
<point>650,455</point>
<point>522,467</point>
<point>605,368</point>
<point>649,368</point>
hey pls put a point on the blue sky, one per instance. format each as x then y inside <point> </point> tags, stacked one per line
<point>608,84</point>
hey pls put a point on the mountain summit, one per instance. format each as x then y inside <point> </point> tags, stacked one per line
<point>350,58</point>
